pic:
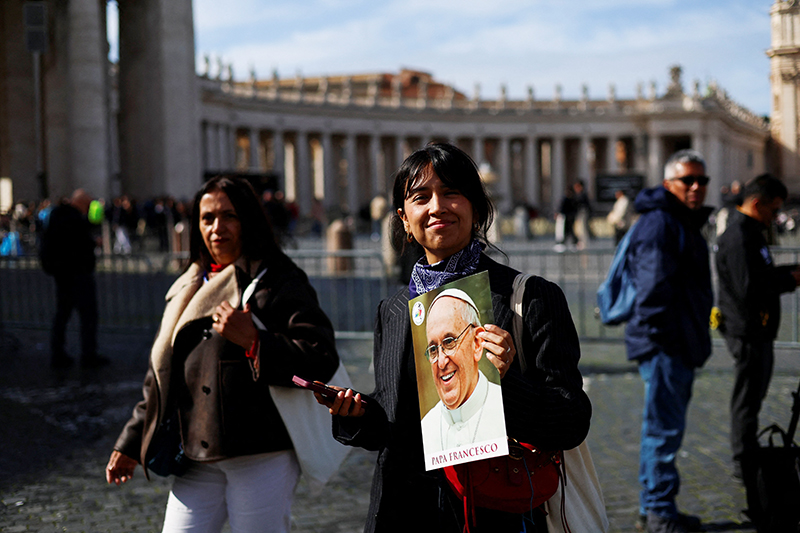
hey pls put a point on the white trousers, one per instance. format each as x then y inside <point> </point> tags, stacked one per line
<point>253,492</point>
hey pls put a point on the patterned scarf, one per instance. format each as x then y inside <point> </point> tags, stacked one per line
<point>461,264</point>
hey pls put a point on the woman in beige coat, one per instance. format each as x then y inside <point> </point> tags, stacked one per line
<point>207,415</point>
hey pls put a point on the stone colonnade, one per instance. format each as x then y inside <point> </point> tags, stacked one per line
<point>344,162</point>
<point>151,126</point>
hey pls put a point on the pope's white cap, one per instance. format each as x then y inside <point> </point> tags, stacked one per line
<point>458,294</point>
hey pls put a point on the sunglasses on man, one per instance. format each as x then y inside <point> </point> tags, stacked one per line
<point>689,180</point>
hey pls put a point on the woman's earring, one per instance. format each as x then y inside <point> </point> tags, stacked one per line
<point>409,237</point>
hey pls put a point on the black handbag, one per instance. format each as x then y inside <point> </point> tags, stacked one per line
<point>772,479</point>
<point>169,459</point>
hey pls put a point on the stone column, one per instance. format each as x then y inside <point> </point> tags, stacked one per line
<point>56,103</point>
<point>376,168</point>
<point>219,147</point>
<point>640,147</point>
<point>583,165</point>
<point>209,145</point>
<point>304,191</point>
<point>714,157</point>
<point>206,148</point>
<point>611,155</point>
<point>655,159</point>
<point>278,157</point>
<point>18,134</point>
<point>399,153</point>
<point>477,150</point>
<point>558,180</point>
<point>697,142</point>
<point>88,108</point>
<point>224,152</point>
<point>532,187</point>
<point>352,174</point>
<point>505,189</point>
<point>255,139</point>
<point>212,157</point>
<point>233,148</point>
<point>330,171</point>
<point>158,98</point>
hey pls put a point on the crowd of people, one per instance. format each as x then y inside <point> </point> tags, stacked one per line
<point>149,225</point>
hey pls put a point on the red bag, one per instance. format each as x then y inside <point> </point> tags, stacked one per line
<point>518,482</point>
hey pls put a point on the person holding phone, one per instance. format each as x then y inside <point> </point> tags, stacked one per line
<point>241,318</point>
<point>750,287</point>
<point>441,203</point>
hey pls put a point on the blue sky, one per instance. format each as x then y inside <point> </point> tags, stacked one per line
<point>512,42</point>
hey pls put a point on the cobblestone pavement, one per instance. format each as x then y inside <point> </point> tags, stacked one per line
<point>59,427</point>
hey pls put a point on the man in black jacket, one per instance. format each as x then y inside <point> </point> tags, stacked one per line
<point>68,255</point>
<point>750,285</point>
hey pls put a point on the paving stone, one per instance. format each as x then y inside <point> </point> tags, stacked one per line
<point>59,430</point>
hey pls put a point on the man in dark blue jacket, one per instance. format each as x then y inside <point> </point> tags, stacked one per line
<point>668,334</point>
<point>750,285</point>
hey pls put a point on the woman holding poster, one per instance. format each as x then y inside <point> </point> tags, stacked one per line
<point>441,204</point>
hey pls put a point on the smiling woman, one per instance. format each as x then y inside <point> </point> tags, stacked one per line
<point>439,217</point>
<point>441,203</point>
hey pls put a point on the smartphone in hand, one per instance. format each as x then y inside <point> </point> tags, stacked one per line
<point>324,390</point>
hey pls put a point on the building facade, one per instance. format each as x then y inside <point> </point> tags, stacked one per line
<point>152,126</point>
<point>784,58</point>
<point>340,138</point>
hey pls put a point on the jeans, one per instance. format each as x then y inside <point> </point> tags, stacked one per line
<point>667,391</point>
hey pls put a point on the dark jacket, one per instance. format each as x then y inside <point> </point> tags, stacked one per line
<point>669,266</point>
<point>749,282</point>
<point>545,406</point>
<point>223,402</point>
<point>67,244</point>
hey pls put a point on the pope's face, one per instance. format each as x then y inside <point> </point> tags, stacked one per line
<point>455,372</point>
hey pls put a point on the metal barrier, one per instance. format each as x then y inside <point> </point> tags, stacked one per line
<point>579,275</point>
<point>131,289</point>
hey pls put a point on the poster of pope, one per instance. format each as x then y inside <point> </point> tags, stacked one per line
<point>461,402</point>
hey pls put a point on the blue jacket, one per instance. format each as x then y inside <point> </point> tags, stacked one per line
<point>670,269</point>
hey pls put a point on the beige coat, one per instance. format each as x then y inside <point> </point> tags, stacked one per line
<point>224,403</point>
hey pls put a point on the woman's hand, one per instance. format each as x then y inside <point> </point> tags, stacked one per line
<point>499,347</point>
<point>120,468</point>
<point>235,326</point>
<point>346,403</point>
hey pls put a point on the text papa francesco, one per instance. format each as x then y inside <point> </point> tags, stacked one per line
<point>466,453</point>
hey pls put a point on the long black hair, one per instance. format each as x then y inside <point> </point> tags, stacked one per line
<point>258,239</point>
<point>457,171</point>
